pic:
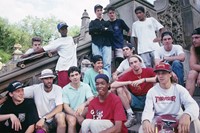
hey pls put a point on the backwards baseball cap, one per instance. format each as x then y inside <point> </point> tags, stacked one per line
<point>14,86</point>
<point>196,31</point>
<point>96,58</point>
<point>61,24</point>
<point>97,6</point>
<point>47,73</point>
<point>102,76</point>
<point>127,44</point>
<point>163,67</point>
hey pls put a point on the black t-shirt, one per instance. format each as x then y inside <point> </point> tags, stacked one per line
<point>26,112</point>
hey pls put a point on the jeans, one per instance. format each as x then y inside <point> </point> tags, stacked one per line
<point>106,53</point>
<point>177,68</point>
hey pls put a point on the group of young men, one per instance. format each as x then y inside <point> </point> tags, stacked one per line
<point>147,82</point>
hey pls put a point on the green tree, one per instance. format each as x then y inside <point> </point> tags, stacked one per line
<point>74,31</point>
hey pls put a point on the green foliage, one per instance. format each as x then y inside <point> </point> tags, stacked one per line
<point>23,32</point>
<point>44,28</point>
<point>74,31</point>
<point>5,56</point>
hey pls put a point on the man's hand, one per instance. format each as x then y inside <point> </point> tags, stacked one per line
<point>15,122</point>
<point>157,39</point>
<point>147,127</point>
<point>115,77</point>
<point>138,82</point>
<point>174,77</point>
<point>40,123</point>
<point>100,71</point>
<point>80,109</point>
<point>184,124</point>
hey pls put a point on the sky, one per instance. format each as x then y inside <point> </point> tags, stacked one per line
<point>69,11</point>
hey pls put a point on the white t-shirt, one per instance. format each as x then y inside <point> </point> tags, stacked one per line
<point>124,65</point>
<point>30,50</point>
<point>160,101</point>
<point>67,51</point>
<point>45,102</point>
<point>175,51</point>
<point>144,31</point>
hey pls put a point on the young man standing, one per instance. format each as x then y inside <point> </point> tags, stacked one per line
<point>67,53</point>
<point>118,26</point>
<point>144,35</point>
<point>194,73</point>
<point>90,74</point>
<point>48,100</point>
<point>133,86</point>
<point>17,114</point>
<point>105,112</point>
<point>172,54</point>
<point>101,33</point>
<point>76,97</point>
<point>167,98</point>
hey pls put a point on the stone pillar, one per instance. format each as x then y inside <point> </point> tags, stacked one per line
<point>84,32</point>
<point>17,52</point>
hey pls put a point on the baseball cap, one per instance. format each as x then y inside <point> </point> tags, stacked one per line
<point>14,86</point>
<point>163,67</point>
<point>196,31</point>
<point>47,73</point>
<point>97,6</point>
<point>61,24</point>
<point>102,76</point>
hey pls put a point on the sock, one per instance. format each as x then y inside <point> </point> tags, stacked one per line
<point>129,111</point>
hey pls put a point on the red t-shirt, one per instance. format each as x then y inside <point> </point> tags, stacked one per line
<point>111,109</point>
<point>143,88</point>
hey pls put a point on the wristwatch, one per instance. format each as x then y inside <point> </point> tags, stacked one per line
<point>44,117</point>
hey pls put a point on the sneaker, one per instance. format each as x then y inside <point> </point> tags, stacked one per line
<point>130,121</point>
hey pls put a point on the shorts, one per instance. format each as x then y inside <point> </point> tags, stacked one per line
<point>63,78</point>
<point>51,126</point>
<point>138,102</point>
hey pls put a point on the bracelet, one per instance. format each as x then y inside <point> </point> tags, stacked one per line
<point>145,80</point>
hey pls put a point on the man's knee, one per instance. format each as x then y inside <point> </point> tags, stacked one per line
<point>71,120</point>
<point>120,90</point>
<point>192,75</point>
<point>60,119</point>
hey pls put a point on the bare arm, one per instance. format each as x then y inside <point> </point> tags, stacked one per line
<point>30,129</point>
<point>114,129</point>
<point>69,110</point>
<point>40,50</point>
<point>58,109</point>
<point>116,84</point>
<point>194,60</point>
<point>80,109</point>
<point>180,57</point>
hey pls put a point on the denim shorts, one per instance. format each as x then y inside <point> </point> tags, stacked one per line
<point>138,102</point>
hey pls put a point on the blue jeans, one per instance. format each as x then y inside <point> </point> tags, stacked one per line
<point>138,102</point>
<point>177,68</point>
<point>105,52</point>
